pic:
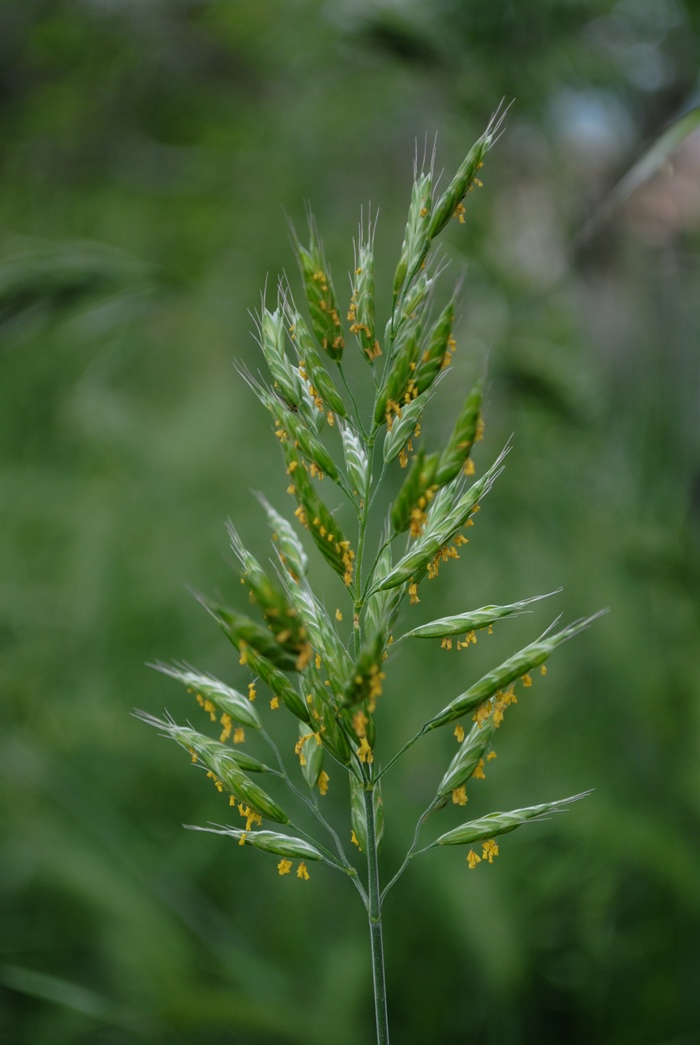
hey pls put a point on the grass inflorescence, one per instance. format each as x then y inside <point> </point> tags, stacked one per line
<point>294,652</point>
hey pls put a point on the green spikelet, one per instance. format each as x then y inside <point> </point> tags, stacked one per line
<point>500,823</point>
<point>291,428</point>
<point>281,617</point>
<point>445,518</point>
<point>356,461</point>
<point>244,633</point>
<point>272,341</point>
<point>466,431</point>
<point>361,310</point>
<point>409,508</point>
<point>320,296</point>
<point>225,769</point>
<point>462,183</point>
<point>509,671</point>
<point>438,351</point>
<point>358,815</point>
<point>310,751</point>
<point>416,240</point>
<point>404,428</point>
<point>313,513</point>
<point>311,369</point>
<point>473,620</point>
<point>276,681</point>
<point>267,842</point>
<point>225,699</point>
<point>212,753</point>
<point>365,682</point>
<point>469,755</point>
<point>334,737</point>
<point>289,548</point>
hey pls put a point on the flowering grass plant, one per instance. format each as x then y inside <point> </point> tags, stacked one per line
<point>290,644</point>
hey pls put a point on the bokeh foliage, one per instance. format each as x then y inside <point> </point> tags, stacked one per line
<point>148,152</point>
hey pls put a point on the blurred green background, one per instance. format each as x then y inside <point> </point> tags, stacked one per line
<point>152,151</point>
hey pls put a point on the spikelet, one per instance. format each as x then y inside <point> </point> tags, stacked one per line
<point>225,699</point>
<point>474,620</point>
<point>469,754</point>
<point>229,775</point>
<point>310,754</point>
<point>320,296</point>
<point>361,309</point>
<point>443,521</point>
<point>412,500</point>
<point>282,618</point>
<point>212,753</point>
<point>267,842</point>
<point>311,369</point>
<point>514,668</point>
<point>313,513</point>
<point>433,357</point>
<point>285,377</point>
<point>247,636</point>
<point>278,683</point>
<point>405,426</point>
<point>464,179</point>
<point>366,676</point>
<point>416,240</point>
<point>356,461</point>
<point>500,823</point>
<point>465,432</point>
<point>289,548</point>
<point>358,814</point>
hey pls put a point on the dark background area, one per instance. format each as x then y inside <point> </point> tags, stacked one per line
<point>151,156</point>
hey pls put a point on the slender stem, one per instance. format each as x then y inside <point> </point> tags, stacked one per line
<point>375,922</point>
<point>343,864</point>
<point>364,512</point>
<point>338,844</point>
<point>312,804</point>
<point>352,400</point>
<point>411,852</point>
<point>378,487</point>
<point>347,489</point>
<point>366,494</point>
<point>404,749</point>
<point>385,543</point>
<point>328,857</point>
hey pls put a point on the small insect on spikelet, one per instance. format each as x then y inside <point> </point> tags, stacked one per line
<point>326,666</point>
